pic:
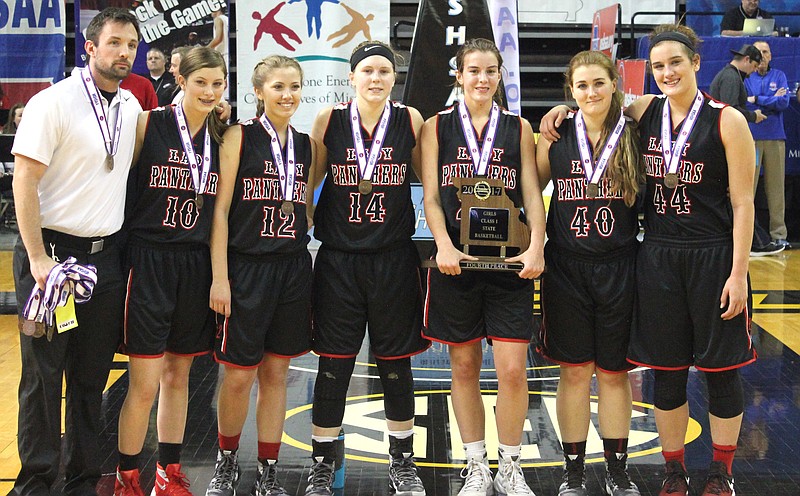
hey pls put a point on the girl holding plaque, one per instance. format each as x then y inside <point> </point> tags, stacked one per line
<point>588,291</point>
<point>463,308</point>
<point>366,273</point>
<point>692,283</point>
<point>171,193</point>
<point>259,240</point>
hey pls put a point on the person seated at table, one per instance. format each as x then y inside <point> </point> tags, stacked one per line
<point>733,20</point>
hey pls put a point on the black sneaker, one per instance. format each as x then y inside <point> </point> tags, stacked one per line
<point>226,475</point>
<point>771,248</point>
<point>782,242</point>
<point>574,479</point>
<point>618,483</point>
<point>403,478</point>
<point>266,483</point>
<point>676,481</point>
<point>320,478</point>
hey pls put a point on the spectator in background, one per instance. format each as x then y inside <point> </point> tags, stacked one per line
<point>163,82</point>
<point>142,89</point>
<point>220,41</point>
<point>768,91</point>
<point>733,20</point>
<point>175,64</point>
<point>728,87</point>
<point>14,116</point>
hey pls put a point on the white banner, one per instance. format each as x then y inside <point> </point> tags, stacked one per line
<point>320,34</point>
<point>582,11</point>
<point>506,37</point>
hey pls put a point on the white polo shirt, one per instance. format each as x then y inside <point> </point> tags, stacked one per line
<point>78,195</point>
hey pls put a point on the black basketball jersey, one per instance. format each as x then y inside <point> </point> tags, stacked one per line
<point>256,224</point>
<point>349,221</point>
<point>576,222</point>
<point>455,161</point>
<point>699,205</point>
<point>161,205</point>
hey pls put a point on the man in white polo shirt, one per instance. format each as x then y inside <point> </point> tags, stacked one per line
<point>73,151</point>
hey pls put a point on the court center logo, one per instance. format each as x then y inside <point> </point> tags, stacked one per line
<point>437,441</point>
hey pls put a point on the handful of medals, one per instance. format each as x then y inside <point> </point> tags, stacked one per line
<point>65,279</point>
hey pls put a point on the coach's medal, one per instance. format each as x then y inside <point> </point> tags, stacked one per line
<point>480,159</point>
<point>595,173</point>
<point>366,164</point>
<point>111,142</point>
<point>199,177</point>
<point>365,187</point>
<point>672,155</point>
<point>286,169</point>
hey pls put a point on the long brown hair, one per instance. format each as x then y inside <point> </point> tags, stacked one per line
<point>481,45</point>
<point>11,126</point>
<point>206,58</point>
<point>626,166</point>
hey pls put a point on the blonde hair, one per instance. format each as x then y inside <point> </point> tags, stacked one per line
<point>626,167</point>
<point>265,67</point>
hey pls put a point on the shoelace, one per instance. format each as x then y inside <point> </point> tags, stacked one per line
<point>619,476</point>
<point>675,482</point>
<point>226,469</point>
<point>515,481</point>
<point>181,480</point>
<point>405,471</point>
<point>132,487</point>
<point>270,481</point>
<point>573,474</point>
<point>321,475</point>
<point>717,484</point>
<point>475,475</point>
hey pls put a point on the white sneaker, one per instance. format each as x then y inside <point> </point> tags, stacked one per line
<point>477,479</point>
<point>509,479</point>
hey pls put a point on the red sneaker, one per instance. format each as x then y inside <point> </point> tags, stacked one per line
<point>170,482</point>
<point>127,483</point>
<point>676,481</point>
<point>718,482</point>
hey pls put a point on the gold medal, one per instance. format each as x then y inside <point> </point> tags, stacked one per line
<point>592,191</point>
<point>365,187</point>
<point>287,207</point>
<point>671,180</point>
<point>109,161</point>
<point>198,200</point>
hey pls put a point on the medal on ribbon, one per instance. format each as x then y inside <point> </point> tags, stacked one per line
<point>199,177</point>
<point>286,169</point>
<point>480,158</point>
<point>366,163</point>
<point>594,174</point>
<point>672,155</point>
<point>111,142</point>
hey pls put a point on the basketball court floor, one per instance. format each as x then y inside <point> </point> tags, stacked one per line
<point>767,461</point>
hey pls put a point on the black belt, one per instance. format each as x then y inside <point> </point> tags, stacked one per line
<point>90,246</point>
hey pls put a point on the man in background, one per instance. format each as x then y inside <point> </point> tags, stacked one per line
<point>163,81</point>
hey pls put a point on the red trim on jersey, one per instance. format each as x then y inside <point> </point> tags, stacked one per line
<point>451,343</point>
<point>614,372</point>
<point>195,354</point>
<point>331,355</point>
<point>427,304</point>
<point>400,357</point>
<point>566,364</point>
<point>127,300</point>
<point>723,369</point>
<point>508,340</point>
<point>148,357</point>
<point>278,355</point>
<point>233,365</point>
<point>656,367</point>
